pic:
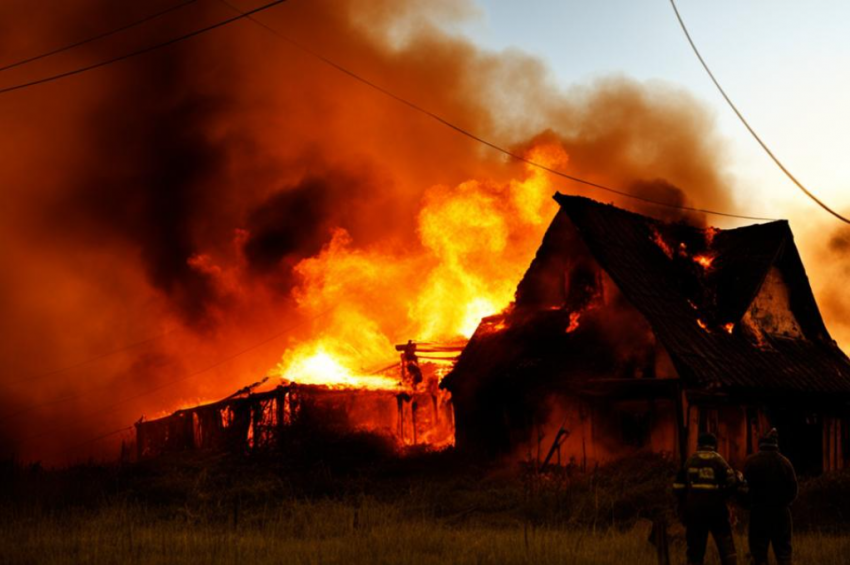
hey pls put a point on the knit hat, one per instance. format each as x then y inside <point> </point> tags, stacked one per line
<point>770,439</point>
<point>707,440</point>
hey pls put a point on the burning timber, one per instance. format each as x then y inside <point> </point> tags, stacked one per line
<point>416,413</point>
<point>630,334</point>
<point>627,335</point>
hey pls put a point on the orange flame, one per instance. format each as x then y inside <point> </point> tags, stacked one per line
<point>659,241</point>
<point>476,240</point>
<point>322,368</point>
<point>574,319</point>
<point>730,327</point>
<point>495,327</point>
<point>702,324</point>
<point>704,261</point>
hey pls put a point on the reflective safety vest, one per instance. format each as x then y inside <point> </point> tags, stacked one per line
<point>705,470</point>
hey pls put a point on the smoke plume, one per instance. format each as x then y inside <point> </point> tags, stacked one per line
<point>205,197</point>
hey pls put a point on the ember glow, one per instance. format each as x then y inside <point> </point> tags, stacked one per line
<point>658,239</point>
<point>704,261</point>
<point>574,322</point>
<point>322,368</point>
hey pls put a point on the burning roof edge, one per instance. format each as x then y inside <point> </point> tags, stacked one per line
<point>814,363</point>
<point>617,239</point>
<point>249,394</point>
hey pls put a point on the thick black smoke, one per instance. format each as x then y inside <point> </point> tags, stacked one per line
<point>295,222</point>
<point>180,189</point>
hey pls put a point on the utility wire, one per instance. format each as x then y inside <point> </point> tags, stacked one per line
<point>53,401</point>
<point>39,376</point>
<point>78,44</point>
<point>127,428</point>
<point>141,51</point>
<point>471,135</point>
<point>103,35</point>
<point>117,404</point>
<point>81,393</point>
<point>744,121</point>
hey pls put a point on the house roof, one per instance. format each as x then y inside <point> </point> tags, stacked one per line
<point>522,344</point>
<point>654,265</point>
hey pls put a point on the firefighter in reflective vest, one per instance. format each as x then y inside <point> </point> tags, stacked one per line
<point>773,487</point>
<point>703,487</point>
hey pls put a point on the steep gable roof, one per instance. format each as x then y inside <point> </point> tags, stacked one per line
<point>655,266</point>
<point>688,304</point>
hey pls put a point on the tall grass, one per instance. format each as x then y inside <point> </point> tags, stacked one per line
<point>353,505</point>
<point>328,531</point>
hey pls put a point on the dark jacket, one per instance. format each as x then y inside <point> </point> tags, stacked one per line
<point>771,478</point>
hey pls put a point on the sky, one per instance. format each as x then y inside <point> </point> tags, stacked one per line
<point>783,63</point>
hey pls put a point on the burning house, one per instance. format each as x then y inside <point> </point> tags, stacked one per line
<point>627,334</point>
<point>401,404</point>
<point>631,334</point>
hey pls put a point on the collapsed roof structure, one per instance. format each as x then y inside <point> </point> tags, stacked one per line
<point>412,414</point>
<point>629,333</point>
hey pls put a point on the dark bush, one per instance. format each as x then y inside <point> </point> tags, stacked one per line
<point>824,502</point>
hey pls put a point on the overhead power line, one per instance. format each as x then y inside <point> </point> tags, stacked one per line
<point>103,35</point>
<point>474,136</point>
<point>225,359</point>
<point>90,360</point>
<point>118,403</point>
<point>54,401</point>
<point>141,51</point>
<point>744,121</point>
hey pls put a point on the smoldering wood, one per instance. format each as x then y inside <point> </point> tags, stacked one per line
<point>251,421</point>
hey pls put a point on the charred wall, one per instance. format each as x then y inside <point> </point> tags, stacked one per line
<point>530,367</point>
<point>813,433</point>
<point>263,420</point>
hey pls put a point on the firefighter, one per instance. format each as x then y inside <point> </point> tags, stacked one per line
<point>704,486</point>
<point>773,487</point>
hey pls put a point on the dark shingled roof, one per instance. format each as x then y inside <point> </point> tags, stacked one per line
<point>671,291</point>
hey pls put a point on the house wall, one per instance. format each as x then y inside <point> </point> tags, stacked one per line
<point>257,421</point>
<point>664,368</point>
<point>770,311</point>
<point>815,441</point>
<point>731,426</point>
<point>835,443</point>
<point>601,430</point>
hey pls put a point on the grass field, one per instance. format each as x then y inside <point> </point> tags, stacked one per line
<point>333,532</point>
<point>353,505</point>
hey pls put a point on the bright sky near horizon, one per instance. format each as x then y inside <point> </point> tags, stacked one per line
<point>784,63</point>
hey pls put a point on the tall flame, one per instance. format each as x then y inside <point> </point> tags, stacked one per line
<point>322,368</point>
<point>476,240</point>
